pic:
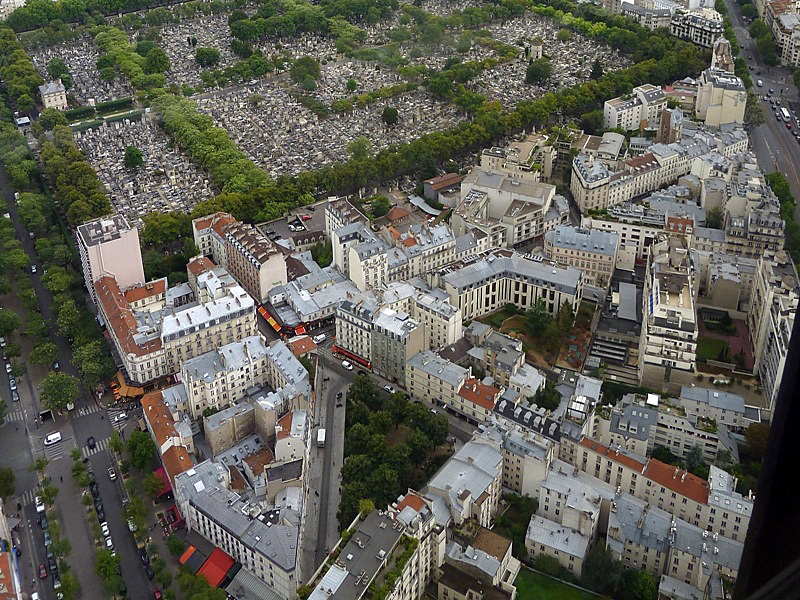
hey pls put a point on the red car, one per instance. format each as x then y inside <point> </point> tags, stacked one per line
<point>156,594</point>
<point>305,217</point>
<point>788,126</point>
<point>42,572</point>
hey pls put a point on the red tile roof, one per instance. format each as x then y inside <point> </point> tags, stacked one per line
<point>284,427</point>
<point>478,393</point>
<point>411,500</point>
<point>397,214</point>
<point>677,480</point>
<point>199,265</point>
<point>176,460</point>
<point>302,345</point>
<point>409,241</point>
<point>120,318</point>
<point>158,417</point>
<point>445,181</point>
<point>146,290</point>
<point>619,457</point>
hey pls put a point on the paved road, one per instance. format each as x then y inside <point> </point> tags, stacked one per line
<point>322,526</point>
<point>88,419</point>
<point>775,146</point>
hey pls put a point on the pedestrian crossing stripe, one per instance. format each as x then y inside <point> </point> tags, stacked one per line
<point>29,497</point>
<point>87,410</point>
<point>101,445</point>
<point>15,415</point>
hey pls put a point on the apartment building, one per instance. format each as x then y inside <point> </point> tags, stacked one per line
<point>668,343</point>
<point>549,538</point>
<point>636,422</point>
<point>504,206</point>
<point>702,27</point>
<point>592,251</point>
<point>645,537</point>
<point>640,109</point>
<point>218,378</point>
<point>354,320</point>
<point>396,337</point>
<point>635,239</point>
<point>489,284</point>
<point>530,159</point>
<point>771,318</point>
<point>375,543</point>
<point>499,355</point>
<point>435,379</point>
<point>265,543</point>
<point>253,260</point>
<point>717,508</point>
<point>485,568</point>
<point>721,98</point>
<point>469,484</point>
<point>152,335</point>
<point>652,18</point>
<point>718,405</point>
<point>209,235</point>
<point>441,321</point>
<point>110,247</point>
<point>527,455</point>
<point>54,95</point>
<point>339,213</point>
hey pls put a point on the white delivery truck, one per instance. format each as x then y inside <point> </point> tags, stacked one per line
<point>321,437</point>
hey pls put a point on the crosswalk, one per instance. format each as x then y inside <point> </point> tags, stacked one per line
<point>112,414</point>
<point>100,445</point>
<point>54,452</point>
<point>28,497</point>
<point>87,410</point>
<point>15,415</point>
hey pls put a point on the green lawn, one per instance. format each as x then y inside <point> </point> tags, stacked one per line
<point>710,348</point>
<point>533,586</point>
<point>496,318</point>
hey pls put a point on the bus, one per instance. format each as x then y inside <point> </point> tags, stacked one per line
<point>786,116</point>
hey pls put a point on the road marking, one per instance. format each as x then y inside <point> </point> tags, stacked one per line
<point>16,415</point>
<point>87,410</point>
<point>100,445</point>
<point>54,452</point>
<point>28,497</point>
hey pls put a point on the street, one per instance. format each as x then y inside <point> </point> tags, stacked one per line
<point>26,445</point>
<point>774,145</point>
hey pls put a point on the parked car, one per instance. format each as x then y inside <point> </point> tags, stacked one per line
<point>12,383</point>
<point>15,396</point>
<point>109,543</point>
<point>104,529</point>
<point>43,521</point>
<point>347,365</point>
<point>98,505</point>
<point>42,572</point>
<point>39,505</point>
<point>112,474</point>
<point>143,555</point>
<point>33,268</point>
<point>8,367</point>
<point>101,516</point>
<point>148,571</point>
<point>389,389</point>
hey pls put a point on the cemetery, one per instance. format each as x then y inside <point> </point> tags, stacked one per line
<point>166,180</point>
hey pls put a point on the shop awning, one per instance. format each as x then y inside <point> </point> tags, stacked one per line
<point>300,330</point>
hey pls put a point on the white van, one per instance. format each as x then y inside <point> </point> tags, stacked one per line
<point>760,83</point>
<point>53,438</point>
<point>318,339</point>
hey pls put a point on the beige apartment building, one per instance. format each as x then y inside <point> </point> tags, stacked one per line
<point>721,98</point>
<point>489,284</point>
<point>593,252</point>
<point>715,507</point>
<point>209,235</point>
<point>668,343</point>
<point>770,320</point>
<point>253,261</point>
<point>109,246</point>
<point>153,333</point>
<point>396,337</point>
<point>433,378</point>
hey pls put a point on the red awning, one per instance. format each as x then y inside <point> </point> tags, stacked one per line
<point>162,475</point>
<point>263,312</point>
<point>300,329</point>
<point>361,361</point>
<point>216,567</point>
<point>274,324</point>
